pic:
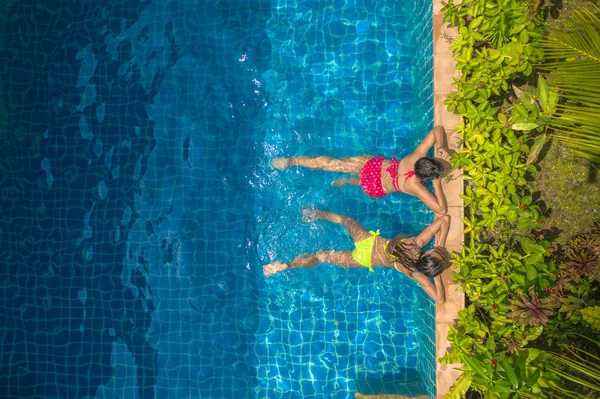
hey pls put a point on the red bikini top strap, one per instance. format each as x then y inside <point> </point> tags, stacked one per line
<point>410,173</point>
<point>393,168</point>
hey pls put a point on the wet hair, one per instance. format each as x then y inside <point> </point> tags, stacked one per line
<point>407,254</point>
<point>428,168</point>
<point>410,255</point>
<point>429,265</point>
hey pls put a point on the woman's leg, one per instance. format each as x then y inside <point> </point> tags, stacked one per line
<point>341,259</point>
<point>345,165</point>
<point>356,230</point>
<point>355,181</point>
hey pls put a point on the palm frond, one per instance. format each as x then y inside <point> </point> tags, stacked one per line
<point>573,67</point>
<point>579,39</point>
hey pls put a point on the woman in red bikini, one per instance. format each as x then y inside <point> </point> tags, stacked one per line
<point>379,177</point>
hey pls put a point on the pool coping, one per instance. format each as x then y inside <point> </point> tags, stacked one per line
<point>444,72</point>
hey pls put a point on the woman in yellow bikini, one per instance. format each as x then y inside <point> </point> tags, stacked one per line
<point>404,254</point>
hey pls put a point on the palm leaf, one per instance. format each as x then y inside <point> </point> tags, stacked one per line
<point>573,64</point>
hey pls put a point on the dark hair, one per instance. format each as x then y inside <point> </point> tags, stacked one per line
<point>429,265</point>
<point>407,254</point>
<point>428,168</point>
<point>410,255</point>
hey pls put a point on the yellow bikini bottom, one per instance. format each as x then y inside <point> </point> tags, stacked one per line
<point>363,250</point>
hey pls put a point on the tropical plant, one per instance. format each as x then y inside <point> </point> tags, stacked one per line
<point>572,58</point>
<point>530,310</point>
<point>591,315</point>
<point>579,372</point>
<point>519,298</point>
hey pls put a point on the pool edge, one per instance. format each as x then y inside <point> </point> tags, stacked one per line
<point>444,72</point>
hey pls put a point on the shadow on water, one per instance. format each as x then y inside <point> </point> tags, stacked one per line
<point>62,293</point>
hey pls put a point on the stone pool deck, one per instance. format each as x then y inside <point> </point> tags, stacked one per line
<point>444,71</point>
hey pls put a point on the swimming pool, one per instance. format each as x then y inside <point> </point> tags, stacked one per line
<point>139,204</point>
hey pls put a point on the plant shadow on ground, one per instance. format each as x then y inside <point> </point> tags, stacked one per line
<point>569,192</point>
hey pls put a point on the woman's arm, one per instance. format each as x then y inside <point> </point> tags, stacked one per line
<point>440,225</point>
<point>437,135</point>
<point>436,201</point>
<point>435,290</point>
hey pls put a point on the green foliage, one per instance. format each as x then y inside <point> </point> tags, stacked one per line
<point>516,290</point>
<point>576,367</point>
<point>573,60</point>
<point>591,315</point>
<point>528,309</point>
<point>460,387</point>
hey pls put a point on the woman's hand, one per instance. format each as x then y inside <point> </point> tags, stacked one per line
<point>445,255</point>
<point>443,153</point>
<point>310,215</point>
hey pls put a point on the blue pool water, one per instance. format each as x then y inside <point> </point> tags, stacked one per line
<point>139,205</point>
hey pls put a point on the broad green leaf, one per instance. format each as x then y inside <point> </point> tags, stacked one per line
<point>526,244</point>
<point>476,22</point>
<point>533,259</point>
<point>533,378</point>
<point>490,344</point>
<point>510,372</point>
<point>591,315</point>
<point>525,125</point>
<point>531,273</point>
<point>475,365</point>
<point>460,387</point>
<point>552,101</point>
<point>537,146</point>
<point>537,331</point>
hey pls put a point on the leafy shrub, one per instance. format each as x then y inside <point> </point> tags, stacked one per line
<point>520,300</point>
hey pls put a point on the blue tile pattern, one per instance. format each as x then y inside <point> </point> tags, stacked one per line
<point>139,204</point>
<point>421,54</point>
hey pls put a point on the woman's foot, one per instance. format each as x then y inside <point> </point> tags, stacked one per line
<point>273,268</point>
<point>280,163</point>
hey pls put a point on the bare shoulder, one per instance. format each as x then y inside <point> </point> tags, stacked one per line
<point>408,162</point>
<point>414,186</point>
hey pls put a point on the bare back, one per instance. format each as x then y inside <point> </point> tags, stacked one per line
<point>406,185</point>
<point>379,256</point>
